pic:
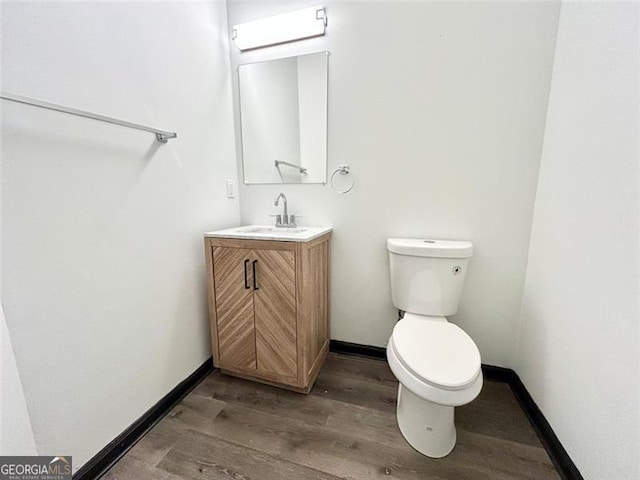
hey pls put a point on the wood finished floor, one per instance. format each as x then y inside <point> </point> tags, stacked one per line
<point>228,428</point>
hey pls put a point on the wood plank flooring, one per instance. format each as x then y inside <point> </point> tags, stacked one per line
<point>228,428</point>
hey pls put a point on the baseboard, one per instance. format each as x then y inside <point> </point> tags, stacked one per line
<point>338,346</point>
<point>120,445</point>
<point>551,443</point>
<point>498,374</point>
<point>559,456</point>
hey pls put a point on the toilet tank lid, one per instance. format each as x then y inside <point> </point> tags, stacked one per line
<point>423,247</point>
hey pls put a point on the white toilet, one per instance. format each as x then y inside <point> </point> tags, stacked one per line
<point>436,362</point>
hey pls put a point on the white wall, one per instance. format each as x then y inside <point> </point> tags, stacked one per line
<point>16,434</point>
<point>439,109</point>
<point>103,272</point>
<point>579,352</point>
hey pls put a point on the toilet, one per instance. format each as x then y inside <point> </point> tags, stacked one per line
<point>436,363</point>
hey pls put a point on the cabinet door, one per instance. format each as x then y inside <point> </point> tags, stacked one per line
<point>234,307</point>
<point>275,312</point>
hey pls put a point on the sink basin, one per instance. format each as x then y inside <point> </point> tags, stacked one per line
<point>265,232</point>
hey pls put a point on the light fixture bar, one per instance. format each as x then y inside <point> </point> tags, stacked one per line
<point>305,23</point>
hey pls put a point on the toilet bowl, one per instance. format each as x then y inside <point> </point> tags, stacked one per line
<point>436,363</point>
<point>438,368</point>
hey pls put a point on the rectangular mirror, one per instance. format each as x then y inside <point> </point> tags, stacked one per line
<point>283,117</point>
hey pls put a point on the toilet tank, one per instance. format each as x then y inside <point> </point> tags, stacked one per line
<point>427,275</point>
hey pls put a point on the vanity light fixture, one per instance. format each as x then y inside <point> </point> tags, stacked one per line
<point>305,23</point>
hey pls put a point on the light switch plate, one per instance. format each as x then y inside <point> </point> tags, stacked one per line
<point>230,190</point>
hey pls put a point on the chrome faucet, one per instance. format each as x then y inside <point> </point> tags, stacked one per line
<point>285,220</point>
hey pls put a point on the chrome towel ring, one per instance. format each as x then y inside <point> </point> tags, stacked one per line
<point>342,170</point>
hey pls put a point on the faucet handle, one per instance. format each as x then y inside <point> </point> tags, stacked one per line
<point>278,219</point>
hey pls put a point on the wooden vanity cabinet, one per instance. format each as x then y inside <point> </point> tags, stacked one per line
<point>269,309</point>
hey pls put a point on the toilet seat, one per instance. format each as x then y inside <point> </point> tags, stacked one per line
<point>420,371</point>
<point>436,352</point>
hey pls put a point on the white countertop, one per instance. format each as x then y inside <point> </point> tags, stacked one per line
<point>269,232</point>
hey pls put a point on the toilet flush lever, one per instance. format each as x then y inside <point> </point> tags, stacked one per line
<point>457,269</point>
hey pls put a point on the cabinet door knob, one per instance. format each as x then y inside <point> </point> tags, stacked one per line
<point>255,280</point>
<point>246,277</point>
